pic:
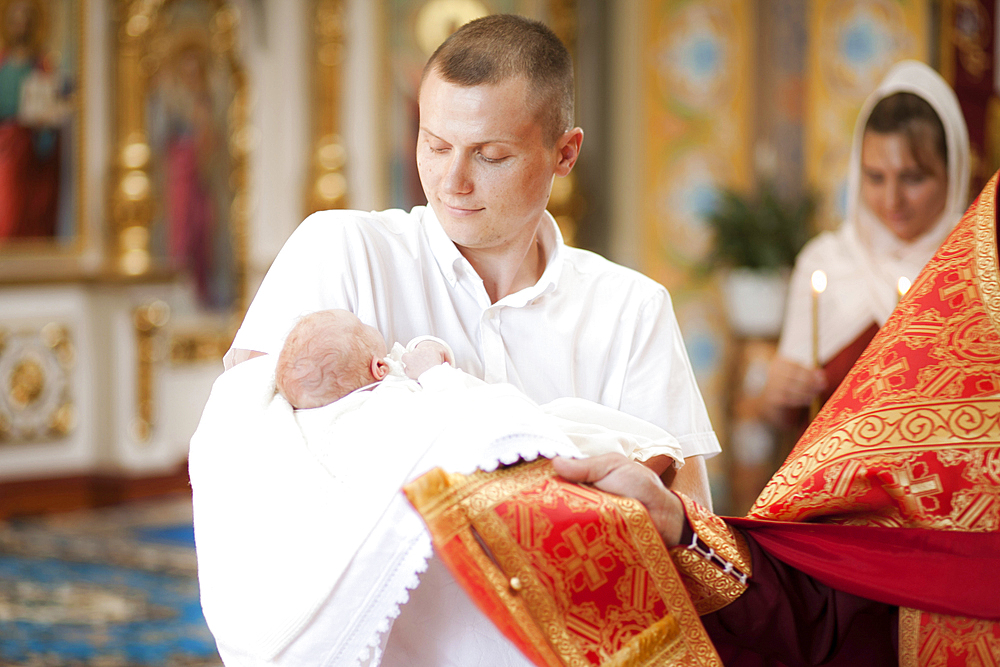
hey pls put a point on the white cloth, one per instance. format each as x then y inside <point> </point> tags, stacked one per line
<point>863,260</point>
<point>589,328</point>
<point>299,512</point>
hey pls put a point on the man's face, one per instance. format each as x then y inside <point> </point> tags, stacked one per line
<point>484,163</point>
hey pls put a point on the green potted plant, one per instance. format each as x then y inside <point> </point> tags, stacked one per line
<point>756,240</point>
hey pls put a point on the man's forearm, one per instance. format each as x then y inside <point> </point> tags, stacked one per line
<point>692,481</point>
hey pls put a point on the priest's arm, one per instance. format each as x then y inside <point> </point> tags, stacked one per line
<point>754,606</point>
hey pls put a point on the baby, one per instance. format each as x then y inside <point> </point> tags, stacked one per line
<point>331,353</point>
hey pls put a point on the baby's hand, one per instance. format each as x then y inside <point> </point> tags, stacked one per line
<point>426,354</point>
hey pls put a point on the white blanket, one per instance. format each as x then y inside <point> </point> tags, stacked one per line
<point>301,511</point>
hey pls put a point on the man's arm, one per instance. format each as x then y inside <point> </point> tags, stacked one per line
<point>237,356</point>
<point>660,386</point>
<point>691,480</point>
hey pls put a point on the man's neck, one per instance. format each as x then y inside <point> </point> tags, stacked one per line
<point>509,270</point>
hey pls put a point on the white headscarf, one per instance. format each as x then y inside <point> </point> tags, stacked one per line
<point>863,260</point>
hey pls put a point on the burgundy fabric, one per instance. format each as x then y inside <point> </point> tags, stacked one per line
<point>837,368</point>
<point>788,619</point>
<point>936,571</point>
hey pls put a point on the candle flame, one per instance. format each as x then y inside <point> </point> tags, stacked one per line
<point>903,286</point>
<point>818,281</point>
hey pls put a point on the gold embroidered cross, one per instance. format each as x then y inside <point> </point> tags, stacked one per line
<point>878,378</point>
<point>964,283</point>
<point>584,557</point>
<point>907,491</point>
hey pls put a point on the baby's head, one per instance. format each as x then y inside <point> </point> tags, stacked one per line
<point>328,355</point>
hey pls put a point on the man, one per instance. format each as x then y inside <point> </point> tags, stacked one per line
<point>484,267</point>
<point>879,538</point>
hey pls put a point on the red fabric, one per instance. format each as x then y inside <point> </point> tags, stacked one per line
<point>455,554</point>
<point>789,619</point>
<point>570,574</point>
<point>932,570</point>
<point>29,185</point>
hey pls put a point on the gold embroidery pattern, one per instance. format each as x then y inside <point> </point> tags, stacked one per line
<point>912,436</point>
<point>987,274</point>
<point>909,637</point>
<point>955,640</point>
<point>823,473</point>
<point>594,584</point>
<point>709,587</point>
<point>950,321</point>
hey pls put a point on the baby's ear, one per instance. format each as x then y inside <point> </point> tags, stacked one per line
<point>379,368</point>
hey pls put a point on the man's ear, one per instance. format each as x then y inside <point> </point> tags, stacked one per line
<point>379,368</point>
<point>568,146</point>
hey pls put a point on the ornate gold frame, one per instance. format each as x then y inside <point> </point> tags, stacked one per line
<point>565,203</point>
<point>131,199</point>
<point>26,251</point>
<point>327,184</point>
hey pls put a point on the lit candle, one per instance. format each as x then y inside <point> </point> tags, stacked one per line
<point>818,285</point>
<point>902,287</point>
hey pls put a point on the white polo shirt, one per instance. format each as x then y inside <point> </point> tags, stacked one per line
<point>588,328</point>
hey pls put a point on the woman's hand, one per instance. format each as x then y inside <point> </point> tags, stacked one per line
<point>616,474</point>
<point>789,385</point>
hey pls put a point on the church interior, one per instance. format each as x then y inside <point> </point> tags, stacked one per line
<point>156,154</point>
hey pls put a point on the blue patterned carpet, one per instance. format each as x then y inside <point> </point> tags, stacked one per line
<point>115,588</point>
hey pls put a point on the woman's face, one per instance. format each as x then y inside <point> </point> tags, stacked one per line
<point>905,195</point>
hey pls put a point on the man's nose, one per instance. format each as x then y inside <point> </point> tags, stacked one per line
<point>457,179</point>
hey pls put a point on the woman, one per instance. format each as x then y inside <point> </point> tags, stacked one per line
<point>907,187</point>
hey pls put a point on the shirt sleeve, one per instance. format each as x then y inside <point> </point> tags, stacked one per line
<point>660,385</point>
<point>313,271</point>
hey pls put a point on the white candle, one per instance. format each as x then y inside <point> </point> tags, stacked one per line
<point>818,286</point>
<point>903,286</point>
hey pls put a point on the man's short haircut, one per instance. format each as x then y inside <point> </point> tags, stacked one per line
<point>496,48</point>
<point>914,118</point>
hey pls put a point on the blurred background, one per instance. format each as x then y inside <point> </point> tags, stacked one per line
<point>155,155</point>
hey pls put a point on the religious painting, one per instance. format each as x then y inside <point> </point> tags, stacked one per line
<point>180,198</point>
<point>697,70</point>
<point>414,29</point>
<point>852,44</point>
<point>970,63</point>
<point>187,99</point>
<point>40,114</point>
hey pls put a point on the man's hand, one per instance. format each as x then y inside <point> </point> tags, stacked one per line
<point>616,474</point>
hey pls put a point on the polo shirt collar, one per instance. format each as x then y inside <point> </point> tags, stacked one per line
<point>453,264</point>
